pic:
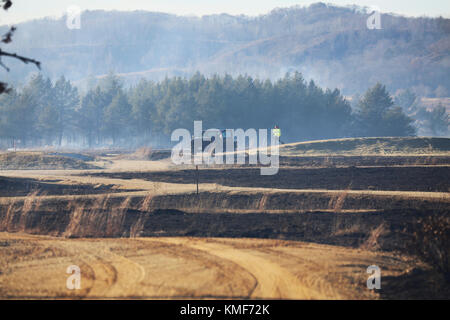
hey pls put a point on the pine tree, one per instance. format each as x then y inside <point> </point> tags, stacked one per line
<point>66,100</point>
<point>117,117</point>
<point>377,116</point>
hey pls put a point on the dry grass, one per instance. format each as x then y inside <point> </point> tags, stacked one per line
<point>372,242</point>
<point>172,268</point>
<point>39,160</point>
<point>9,215</point>
<point>102,217</point>
<point>29,203</point>
<point>262,202</point>
<point>370,146</point>
<point>337,201</point>
<point>431,242</point>
<point>113,268</point>
<point>146,203</point>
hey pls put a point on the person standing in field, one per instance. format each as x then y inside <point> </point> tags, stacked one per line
<point>277,133</point>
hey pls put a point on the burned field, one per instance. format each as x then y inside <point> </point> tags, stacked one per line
<point>384,207</point>
<point>362,161</point>
<point>18,187</point>
<point>387,230</point>
<point>430,179</point>
<point>44,161</point>
<point>299,203</point>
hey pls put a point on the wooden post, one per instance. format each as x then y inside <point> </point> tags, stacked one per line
<point>196,170</point>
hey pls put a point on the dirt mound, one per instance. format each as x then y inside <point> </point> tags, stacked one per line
<point>105,217</point>
<point>147,153</point>
<point>19,187</point>
<point>186,268</point>
<point>370,146</point>
<point>78,156</point>
<point>377,178</point>
<point>208,214</point>
<point>362,161</point>
<point>42,161</point>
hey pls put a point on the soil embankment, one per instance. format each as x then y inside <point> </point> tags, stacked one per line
<point>430,179</point>
<point>43,161</point>
<point>193,268</point>
<point>387,229</point>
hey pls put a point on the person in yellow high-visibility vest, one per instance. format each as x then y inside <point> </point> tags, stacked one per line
<point>277,133</point>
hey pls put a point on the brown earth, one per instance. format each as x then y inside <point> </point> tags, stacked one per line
<point>231,215</point>
<point>362,161</point>
<point>309,232</point>
<point>372,146</point>
<point>160,268</point>
<point>42,161</point>
<point>434,179</point>
<point>16,187</point>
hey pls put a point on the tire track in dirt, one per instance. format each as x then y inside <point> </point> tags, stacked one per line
<point>273,281</point>
<point>231,280</point>
<point>113,274</point>
<point>187,268</point>
<point>313,273</point>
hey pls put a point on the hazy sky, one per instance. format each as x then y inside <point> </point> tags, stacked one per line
<point>30,9</point>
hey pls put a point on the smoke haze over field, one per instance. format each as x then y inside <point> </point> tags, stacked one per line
<point>329,44</point>
<point>122,78</point>
<point>24,10</point>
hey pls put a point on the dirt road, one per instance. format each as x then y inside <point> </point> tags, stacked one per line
<point>153,268</point>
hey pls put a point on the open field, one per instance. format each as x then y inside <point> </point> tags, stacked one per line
<point>309,232</point>
<point>15,187</point>
<point>350,151</point>
<point>370,146</point>
<point>40,160</point>
<point>161,268</point>
<point>434,179</point>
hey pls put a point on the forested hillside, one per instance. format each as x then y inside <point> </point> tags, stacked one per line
<point>329,44</point>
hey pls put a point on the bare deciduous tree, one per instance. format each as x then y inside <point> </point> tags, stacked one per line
<point>7,38</point>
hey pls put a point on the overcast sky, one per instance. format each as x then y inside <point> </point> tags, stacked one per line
<point>30,9</point>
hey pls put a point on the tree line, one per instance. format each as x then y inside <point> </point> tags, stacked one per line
<point>46,113</point>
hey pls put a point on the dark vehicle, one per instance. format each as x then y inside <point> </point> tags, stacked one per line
<point>205,143</point>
